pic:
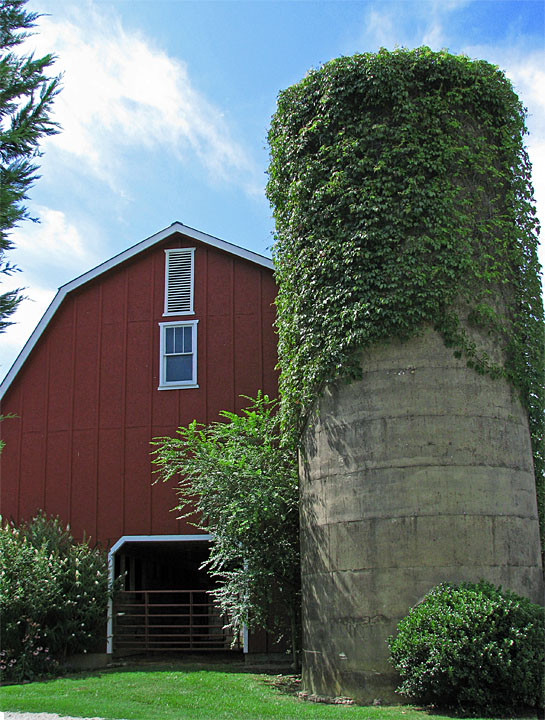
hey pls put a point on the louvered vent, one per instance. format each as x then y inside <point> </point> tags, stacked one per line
<point>179,283</point>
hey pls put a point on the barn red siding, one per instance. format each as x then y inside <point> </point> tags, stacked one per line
<point>87,402</point>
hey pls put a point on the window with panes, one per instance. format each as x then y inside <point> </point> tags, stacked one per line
<point>178,350</point>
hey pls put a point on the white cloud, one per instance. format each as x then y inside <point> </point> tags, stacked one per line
<point>48,254</point>
<point>49,240</point>
<point>379,24</point>
<point>433,36</point>
<point>120,93</point>
<point>433,33</point>
<point>408,24</point>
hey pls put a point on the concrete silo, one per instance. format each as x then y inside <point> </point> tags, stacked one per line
<point>406,247</point>
<point>419,473</point>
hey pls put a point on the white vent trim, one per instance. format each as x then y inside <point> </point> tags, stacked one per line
<point>179,274</point>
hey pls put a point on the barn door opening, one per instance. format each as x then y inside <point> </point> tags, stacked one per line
<point>164,604</point>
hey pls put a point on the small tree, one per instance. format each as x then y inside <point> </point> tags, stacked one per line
<point>26,97</point>
<point>236,481</point>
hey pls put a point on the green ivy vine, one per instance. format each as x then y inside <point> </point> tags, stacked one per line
<point>401,191</point>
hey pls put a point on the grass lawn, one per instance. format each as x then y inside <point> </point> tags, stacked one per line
<point>182,691</point>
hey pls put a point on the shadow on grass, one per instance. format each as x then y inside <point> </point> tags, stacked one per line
<point>223,662</point>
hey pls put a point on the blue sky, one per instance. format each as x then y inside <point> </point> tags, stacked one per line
<point>166,107</point>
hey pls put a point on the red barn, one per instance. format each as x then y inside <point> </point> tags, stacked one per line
<point>175,328</point>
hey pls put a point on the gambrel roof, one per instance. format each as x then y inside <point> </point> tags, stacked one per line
<point>176,227</point>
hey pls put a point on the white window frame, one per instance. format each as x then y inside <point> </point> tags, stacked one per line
<point>168,254</point>
<point>177,385</point>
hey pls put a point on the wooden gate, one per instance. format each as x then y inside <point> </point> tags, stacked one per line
<point>168,621</point>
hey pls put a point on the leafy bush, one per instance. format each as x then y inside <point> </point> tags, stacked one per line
<point>475,649</point>
<point>53,596</point>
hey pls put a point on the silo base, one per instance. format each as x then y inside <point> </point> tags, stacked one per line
<point>419,473</point>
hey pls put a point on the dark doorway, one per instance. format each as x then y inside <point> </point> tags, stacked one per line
<point>164,604</point>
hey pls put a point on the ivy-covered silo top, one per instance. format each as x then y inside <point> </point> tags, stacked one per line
<point>401,192</point>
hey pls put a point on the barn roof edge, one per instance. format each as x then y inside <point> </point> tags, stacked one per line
<point>64,290</point>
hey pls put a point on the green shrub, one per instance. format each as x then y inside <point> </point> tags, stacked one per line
<point>475,649</point>
<point>53,597</point>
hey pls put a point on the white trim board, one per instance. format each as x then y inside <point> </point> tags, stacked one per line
<point>176,227</point>
<point>155,538</point>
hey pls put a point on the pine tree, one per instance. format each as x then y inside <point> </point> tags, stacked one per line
<point>26,97</point>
